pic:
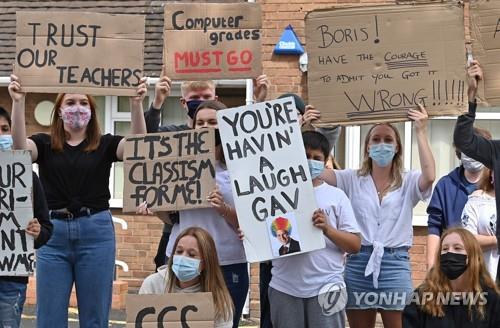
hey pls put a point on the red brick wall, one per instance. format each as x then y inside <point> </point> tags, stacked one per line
<point>137,245</point>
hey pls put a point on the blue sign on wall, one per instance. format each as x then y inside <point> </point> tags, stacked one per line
<point>288,44</point>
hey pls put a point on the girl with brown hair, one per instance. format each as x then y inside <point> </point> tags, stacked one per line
<point>194,267</point>
<point>75,162</point>
<point>458,291</point>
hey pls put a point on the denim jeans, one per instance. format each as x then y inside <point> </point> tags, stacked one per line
<point>12,297</point>
<point>236,278</point>
<point>80,251</point>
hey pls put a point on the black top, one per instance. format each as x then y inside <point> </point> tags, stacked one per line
<point>74,178</point>
<point>456,316</point>
<point>40,212</point>
<point>152,118</point>
<point>479,148</point>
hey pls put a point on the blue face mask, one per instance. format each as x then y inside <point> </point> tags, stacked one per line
<point>315,167</point>
<point>192,105</point>
<point>5,142</point>
<point>186,268</point>
<point>382,153</point>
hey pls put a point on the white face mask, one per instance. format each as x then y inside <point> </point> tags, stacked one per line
<point>470,164</point>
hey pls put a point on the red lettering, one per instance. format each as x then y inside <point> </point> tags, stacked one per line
<point>206,58</point>
<point>218,54</point>
<point>211,61</point>
<point>246,57</point>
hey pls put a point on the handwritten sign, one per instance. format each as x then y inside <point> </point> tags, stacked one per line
<point>212,40</point>
<point>372,64</point>
<point>17,254</point>
<point>79,52</point>
<point>270,178</point>
<point>171,171</point>
<point>485,34</point>
<point>195,310</point>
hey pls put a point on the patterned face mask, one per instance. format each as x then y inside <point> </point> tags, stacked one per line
<point>76,117</point>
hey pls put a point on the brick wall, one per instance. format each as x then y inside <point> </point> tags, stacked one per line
<point>137,245</point>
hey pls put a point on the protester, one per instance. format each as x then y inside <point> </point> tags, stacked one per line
<point>383,196</point>
<point>75,162</point>
<point>220,220</point>
<point>193,93</point>
<point>193,268</point>
<point>458,291</point>
<point>296,281</point>
<point>306,115</point>
<point>13,288</point>
<point>480,218</point>
<point>449,197</point>
<point>473,145</point>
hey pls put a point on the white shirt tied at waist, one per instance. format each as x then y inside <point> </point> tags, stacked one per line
<point>386,223</point>
<point>375,262</point>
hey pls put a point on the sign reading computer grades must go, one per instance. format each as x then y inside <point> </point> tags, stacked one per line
<point>212,40</point>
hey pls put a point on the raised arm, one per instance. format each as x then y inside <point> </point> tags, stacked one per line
<point>419,117</point>
<point>471,144</point>
<point>162,90</point>
<point>137,123</point>
<point>260,85</point>
<point>18,118</point>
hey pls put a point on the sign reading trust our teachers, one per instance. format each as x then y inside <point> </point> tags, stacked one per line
<point>79,52</point>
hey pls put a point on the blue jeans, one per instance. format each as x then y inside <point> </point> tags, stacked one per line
<point>395,286</point>
<point>80,251</point>
<point>12,297</point>
<point>236,278</point>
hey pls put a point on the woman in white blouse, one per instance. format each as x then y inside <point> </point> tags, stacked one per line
<point>480,217</point>
<point>383,196</point>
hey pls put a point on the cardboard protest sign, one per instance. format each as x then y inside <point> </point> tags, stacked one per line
<point>372,64</point>
<point>212,40</point>
<point>171,171</point>
<point>270,179</point>
<point>17,255</point>
<point>485,34</point>
<point>79,52</point>
<point>195,310</point>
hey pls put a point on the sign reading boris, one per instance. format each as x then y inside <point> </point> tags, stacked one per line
<point>372,64</point>
<point>17,255</point>
<point>270,179</point>
<point>212,40</point>
<point>170,171</point>
<point>79,52</point>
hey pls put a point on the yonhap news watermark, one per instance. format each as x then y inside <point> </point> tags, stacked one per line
<point>333,298</point>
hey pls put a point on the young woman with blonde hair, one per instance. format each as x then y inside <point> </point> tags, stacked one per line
<point>383,196</point>
<point>194,267</point>
<point>458,291</point>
